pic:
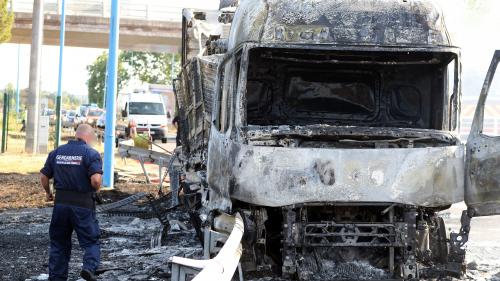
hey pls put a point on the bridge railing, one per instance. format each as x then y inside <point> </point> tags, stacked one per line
<point>158,10</point>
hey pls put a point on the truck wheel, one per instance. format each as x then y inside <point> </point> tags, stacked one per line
<point>164,140</point>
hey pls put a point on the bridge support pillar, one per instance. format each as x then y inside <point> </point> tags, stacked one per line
<point>33,104</point>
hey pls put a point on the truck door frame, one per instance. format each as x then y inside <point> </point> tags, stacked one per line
<point>482,182</point>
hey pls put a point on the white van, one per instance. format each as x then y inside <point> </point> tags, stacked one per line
<point>146,111</point>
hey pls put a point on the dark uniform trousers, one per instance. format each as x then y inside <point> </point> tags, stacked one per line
<point>71,166</point>
<point>65,219</point>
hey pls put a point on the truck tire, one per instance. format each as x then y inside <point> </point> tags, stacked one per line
<point>163,140</point>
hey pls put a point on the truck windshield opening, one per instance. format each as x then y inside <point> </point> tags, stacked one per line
<point>382,89</point>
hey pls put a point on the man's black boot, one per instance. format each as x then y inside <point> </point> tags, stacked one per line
<point>87,275</point>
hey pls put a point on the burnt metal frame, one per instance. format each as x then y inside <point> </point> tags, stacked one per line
<point>217,98</point>
<point>270,132</point>
<point>404,234</point>
<point>328,234</point>
<point>482,200</point>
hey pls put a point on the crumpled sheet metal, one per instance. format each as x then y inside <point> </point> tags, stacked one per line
<point>277,176</point>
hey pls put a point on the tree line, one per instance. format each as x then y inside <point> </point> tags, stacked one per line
<point>146,67</point>
<point>6,21</point>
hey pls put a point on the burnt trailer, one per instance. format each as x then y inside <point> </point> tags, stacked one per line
<point>331,128</point>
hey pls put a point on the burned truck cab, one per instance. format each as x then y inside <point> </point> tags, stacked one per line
<point>331,127</point>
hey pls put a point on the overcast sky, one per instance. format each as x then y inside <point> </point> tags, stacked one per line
<point>75,75</point>
<point>476,31</point>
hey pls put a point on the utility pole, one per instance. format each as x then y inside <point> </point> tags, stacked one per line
<point>59,79</point>
<point>34,81</point>
<point>111,91</point>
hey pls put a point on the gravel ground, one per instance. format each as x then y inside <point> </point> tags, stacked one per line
<point>24,190</point>
<point>125,241</point>
<point>125,247</point>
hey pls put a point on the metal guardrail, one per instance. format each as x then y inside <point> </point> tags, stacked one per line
<point>158,10</point>
<point>220,268</point>
<point>162,159</point>
<point>127,149</point>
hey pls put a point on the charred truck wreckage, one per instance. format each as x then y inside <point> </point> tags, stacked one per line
<point>331,128</point>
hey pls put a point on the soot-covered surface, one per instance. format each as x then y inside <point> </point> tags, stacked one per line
<point>125,246</point>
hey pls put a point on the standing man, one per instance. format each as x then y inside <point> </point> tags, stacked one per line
<point>77,170</point>
<point>177,125</point>
<point>23,122</point>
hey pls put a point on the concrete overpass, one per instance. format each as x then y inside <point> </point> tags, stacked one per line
<point>153,25</point>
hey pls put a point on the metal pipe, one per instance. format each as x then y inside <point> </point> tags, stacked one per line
<point>111,91</point>
<point>62,32</point>
<point>8,117</point>
<point>17,83</point>
<point>4,121</point>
